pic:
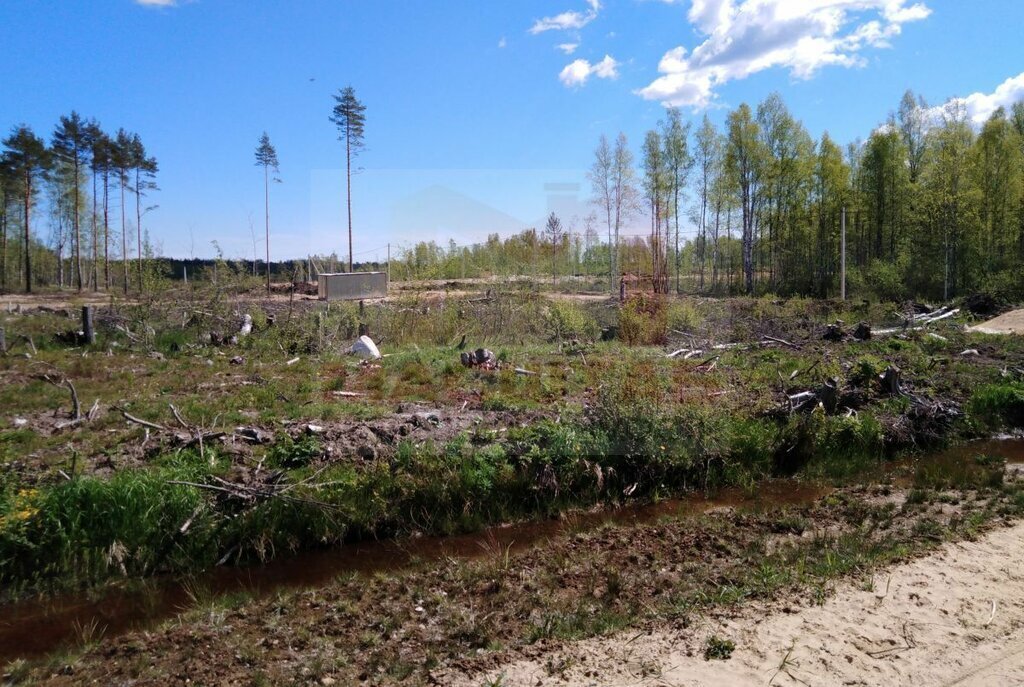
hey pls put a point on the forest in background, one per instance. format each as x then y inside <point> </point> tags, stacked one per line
<point>934,208</point>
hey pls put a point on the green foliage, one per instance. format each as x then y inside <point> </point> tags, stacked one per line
<point>997,406</point>
<point>684,316</point>
<point>834,446</point>
<point>643,321</point>
<point>565,319</point>
<point>866,369</point>
<point>718,649</point>
<point>287,452</point>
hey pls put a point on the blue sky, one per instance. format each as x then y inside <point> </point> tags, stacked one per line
<point>472,107</point>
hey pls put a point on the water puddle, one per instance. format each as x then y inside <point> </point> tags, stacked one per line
<point>1009,447</point>
<point>42,625</point>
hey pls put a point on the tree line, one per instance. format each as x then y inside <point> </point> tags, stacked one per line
<point>76,182</point>
<point>933,207</point>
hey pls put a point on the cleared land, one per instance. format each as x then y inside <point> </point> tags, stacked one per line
<point>643,468</point>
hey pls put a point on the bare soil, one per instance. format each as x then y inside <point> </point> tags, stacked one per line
<point>1008,323</point>
<point>955,617</point>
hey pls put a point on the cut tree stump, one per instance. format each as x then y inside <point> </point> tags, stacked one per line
<point>862,332</point>
<point>890,380</point>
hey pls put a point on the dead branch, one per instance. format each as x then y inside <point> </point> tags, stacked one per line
<point>140,421</point>
<point>781,341</point>
<point>63,382</point>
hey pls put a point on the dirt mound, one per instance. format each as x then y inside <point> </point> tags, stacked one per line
<point>1008,323</point>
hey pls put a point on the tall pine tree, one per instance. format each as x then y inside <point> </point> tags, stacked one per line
<point>349,115</point>
<point>266,157</point>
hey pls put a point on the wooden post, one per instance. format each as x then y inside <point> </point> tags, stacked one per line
<point>3,341</point>
<point>842,257</point>
<point>389,263</point>
<point>87,324</point>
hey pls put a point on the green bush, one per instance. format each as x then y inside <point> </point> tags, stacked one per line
<point>643,321</point>
<point>291,453</point>
<point>565,319</point>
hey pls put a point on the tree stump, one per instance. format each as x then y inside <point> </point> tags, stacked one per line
<point>862,332</point>
<point>890,381</point>
<point>88,329</point>
<point>828,395</point>
<point>834,332</point>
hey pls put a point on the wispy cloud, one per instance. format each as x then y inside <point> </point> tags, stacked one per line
<point>568,48</point>
<point>743,37</point>
<point>567,20</point>
<point>502,42</point>
<point>577,72</point>
<point>157,3</point>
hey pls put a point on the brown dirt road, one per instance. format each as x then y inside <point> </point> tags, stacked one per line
<point>1008,323</point>
<point>953,618</point>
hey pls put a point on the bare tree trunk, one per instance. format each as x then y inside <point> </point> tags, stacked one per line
<point>124,240</point>
<point>28,235</point>
<point>95,220</point>
<point>266,198</point>
<point>106,231</point>
<point>138,223</point>
<point>3,248</point>
<point>348,182</point>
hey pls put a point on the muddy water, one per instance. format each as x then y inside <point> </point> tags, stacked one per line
<point>1008,447</point>
<point>40,626</point>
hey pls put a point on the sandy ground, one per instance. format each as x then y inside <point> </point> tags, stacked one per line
<point>1008,323</point>
<point>955,617</point>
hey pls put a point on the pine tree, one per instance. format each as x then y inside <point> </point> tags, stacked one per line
<point>102,166</point>
<point>266,157</point>
<point>145,169</point>
<point>349,115</point>
<point>71,143</point>
<point>28,159</point>
<point>121,163</point>
<point>7,193</point>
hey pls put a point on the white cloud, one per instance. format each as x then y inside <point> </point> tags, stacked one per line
<point>157,3</point>
<point>568,48</point>
<point>743,37</point>
<point>577,72</point>
<point>980,106</point>
<point>502,42</point>
<point>567,20</point>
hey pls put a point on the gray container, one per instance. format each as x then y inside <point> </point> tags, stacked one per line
<point>352,286</point>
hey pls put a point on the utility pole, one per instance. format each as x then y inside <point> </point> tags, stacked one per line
<point>842,257</point>
<point>389,263</point>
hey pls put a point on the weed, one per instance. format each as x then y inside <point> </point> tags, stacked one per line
<point>290,453</point>
<point>718,649</point>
